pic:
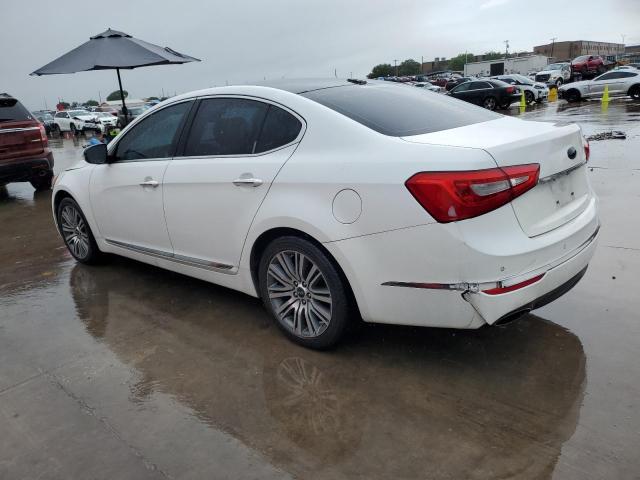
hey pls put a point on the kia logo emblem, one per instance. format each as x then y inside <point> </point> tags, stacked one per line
<point>571,153</point>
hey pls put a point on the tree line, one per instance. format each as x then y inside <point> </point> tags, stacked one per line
<point>413,67</point>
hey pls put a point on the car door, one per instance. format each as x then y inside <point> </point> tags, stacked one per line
<point>611,79</point>
<point>233,150</point>
<point>62,121</point>
<point>478,91</point>
<point>126,193</point>
<point>461,91</point>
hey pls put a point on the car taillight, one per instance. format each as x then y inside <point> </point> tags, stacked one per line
<point>587,150</point>
<point>453,196</point>
<point>511,89</point>
<point>511,288</point>
<point>43,136</point>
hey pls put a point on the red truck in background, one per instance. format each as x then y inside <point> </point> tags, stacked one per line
<point>585,64</point>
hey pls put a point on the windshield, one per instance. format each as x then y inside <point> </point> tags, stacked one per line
<point>12,109</point>
<point>399,111</point>
<point>75,113</point>
<point>522,79</point>
<point>103,114</point>
<point>555,66</point>
<point>581,59</point>
<point>137,110</point>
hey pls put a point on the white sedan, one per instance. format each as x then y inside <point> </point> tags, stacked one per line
<point>337,200</point>
<point>105,119</point>
<point>618,82</point>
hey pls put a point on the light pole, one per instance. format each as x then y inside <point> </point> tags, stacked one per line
<point>395,63</point>
<point>553,43</point>
<point>506,49</point>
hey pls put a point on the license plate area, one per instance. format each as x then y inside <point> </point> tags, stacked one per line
<point>553,202</point>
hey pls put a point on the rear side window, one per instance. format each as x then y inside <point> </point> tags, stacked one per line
<point>12,110</point>
<point>279,128</point>
<point>400,110</point>
<point>225,126</point>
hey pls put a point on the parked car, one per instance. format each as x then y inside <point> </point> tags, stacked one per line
<point>75,121</point>
<point>428,86</point>
<point>112,110</point>
<point>46,119</point>
<point>586,64</point>
<point>630,66</point>
<point>490,94</point>
<point>473,219</point>
<point>454,82</point>
<point>105,119</point>
<point>555,74</point>
<point>24,148</point>
<point>133,112</point>
<point>619,82</point>
<point>533,91</point>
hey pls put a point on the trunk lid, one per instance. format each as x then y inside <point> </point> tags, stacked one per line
<point>563,191</point>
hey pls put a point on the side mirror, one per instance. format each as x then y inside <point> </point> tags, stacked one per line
<point>96,154</point>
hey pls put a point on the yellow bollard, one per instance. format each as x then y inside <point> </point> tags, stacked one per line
<point>605,94</point>
<point>553,95</point>
<point>523,102</point>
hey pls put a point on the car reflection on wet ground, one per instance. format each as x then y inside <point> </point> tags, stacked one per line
<point>127,371</point>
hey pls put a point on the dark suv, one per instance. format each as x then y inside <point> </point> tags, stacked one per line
<point>24,149</point>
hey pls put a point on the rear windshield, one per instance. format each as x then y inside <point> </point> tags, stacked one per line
<point>11,110</point>
<point>399,110</point>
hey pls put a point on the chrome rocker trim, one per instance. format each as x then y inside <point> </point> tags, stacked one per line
<point>182,259</point>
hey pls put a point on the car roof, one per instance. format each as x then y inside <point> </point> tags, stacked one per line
<point>308,85</point>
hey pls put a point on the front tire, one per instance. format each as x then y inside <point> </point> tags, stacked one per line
<point>634,92</point>
<point>305,292</point>
<point>528,97</point>
<point>73,129</point>
<point>573,95</point>
<point>76,232</point>
<point>490,103</point>
<point>559,82</point>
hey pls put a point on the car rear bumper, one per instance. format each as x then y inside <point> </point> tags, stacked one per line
<point>25,170</point>
<point>434,274</point>
<point>558,279</point>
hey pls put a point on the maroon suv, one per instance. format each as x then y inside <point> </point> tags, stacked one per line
<point>24,148</point>
<point>588,64</point>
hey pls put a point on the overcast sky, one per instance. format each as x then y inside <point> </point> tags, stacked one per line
<point>241,40</point>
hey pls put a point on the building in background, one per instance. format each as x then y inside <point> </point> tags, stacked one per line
<point>569,50</point>
<point>522,65</point>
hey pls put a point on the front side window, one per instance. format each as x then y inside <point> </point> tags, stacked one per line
<point>226,126</point>
<point>154,136</point>
<point>462,87</point>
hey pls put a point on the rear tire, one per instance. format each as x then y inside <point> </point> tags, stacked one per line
<point>305,292</point>
<point>76,232</point>
<point>490,103</point>
<point>42,183</point>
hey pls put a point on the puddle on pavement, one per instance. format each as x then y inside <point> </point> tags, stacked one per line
<point>412,396</point>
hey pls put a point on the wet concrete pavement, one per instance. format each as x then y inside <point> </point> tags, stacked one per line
<point>127,371</point>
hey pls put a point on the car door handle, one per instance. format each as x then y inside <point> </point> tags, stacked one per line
<point>149,183</point>
<point>247,182</point>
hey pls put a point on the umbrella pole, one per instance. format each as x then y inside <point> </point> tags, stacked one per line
<point>124,107</point>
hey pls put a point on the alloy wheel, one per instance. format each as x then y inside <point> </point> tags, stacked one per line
<point>74,231</point>
<point>299,294</point>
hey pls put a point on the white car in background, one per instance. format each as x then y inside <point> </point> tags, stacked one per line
<point>533,91</point>
<point>75,121</point>
<point>105,120</point>
<point>555,74</point>
<point>618,82</point>
<point>428,86</point>
<point>335,200</point>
